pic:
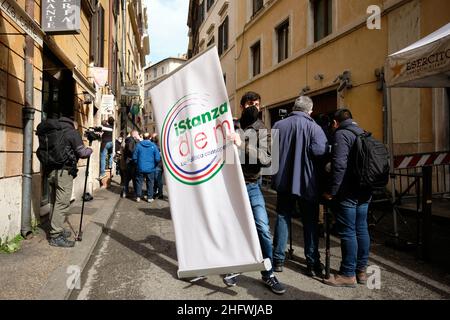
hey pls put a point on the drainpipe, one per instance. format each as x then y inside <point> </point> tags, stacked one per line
<point>28,126</point>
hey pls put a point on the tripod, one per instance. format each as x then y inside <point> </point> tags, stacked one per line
<point>80,234</point>
<point>327,219</point>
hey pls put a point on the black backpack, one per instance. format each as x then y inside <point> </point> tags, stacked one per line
<point>371,161</point>
<point>54,150</point>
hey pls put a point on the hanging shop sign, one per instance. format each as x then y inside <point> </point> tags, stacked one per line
<point>132,91</point>
<point>100,76</point>
<point>107,105</point>
<point>61,16</point>
<point>23,20</point>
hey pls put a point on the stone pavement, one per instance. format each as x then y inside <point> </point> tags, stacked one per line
<point>136,259</point>
<point>38,270</point>
<point>128,252</point>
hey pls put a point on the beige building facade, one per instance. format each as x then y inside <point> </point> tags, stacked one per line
<point>153,74</point>
<point>214,23</point>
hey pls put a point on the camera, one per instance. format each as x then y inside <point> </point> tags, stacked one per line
<point>93,133</point>
<point>282,113</point>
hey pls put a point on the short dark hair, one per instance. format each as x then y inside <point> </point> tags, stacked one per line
<point>249,97</point>
<point>111,121</point>
<point>342,115</point>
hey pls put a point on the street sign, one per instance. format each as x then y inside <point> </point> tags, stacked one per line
<point>61,17</point>
<point>107,105</point>
<point>23,20</point>
<point>131,91</point>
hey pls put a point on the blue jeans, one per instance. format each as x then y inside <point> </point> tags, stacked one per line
<point>158,181</point>
<point>150,177</point>
<point>262,222</point>
<point>286,205</point>
<point>103,153</point>
<point>351,218</point>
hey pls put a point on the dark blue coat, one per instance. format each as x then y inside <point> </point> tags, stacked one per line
<point>302,141</point>
<point>147,156</point>
<point>343,180</point>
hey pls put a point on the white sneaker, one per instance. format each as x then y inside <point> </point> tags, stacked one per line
<point>150,200</point>
<point>138,199</point>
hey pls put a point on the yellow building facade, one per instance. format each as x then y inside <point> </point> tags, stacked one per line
<point>334,51</point>
<point>62,82</point>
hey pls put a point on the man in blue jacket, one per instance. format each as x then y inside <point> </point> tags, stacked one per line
<point>302,141</point>
<point>351,204</point>
<point>146,156</point>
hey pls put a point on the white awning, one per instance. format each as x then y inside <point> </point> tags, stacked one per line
<point>425,63</point>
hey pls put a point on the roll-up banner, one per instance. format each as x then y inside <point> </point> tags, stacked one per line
<point>215,230</point>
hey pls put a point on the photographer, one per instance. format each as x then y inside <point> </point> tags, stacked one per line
<point>59,156</point>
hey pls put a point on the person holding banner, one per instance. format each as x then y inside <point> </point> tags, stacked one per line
<point>257,155</point>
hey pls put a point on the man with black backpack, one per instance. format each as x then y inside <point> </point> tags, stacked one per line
<point>359,164</point>
<point>60,147</point>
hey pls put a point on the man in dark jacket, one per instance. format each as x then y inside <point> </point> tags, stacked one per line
<point>127,163</point>
<point>146,156</point>
<point>60,181</point>
<point>256,148</point>
<point>302,142</point>
<point>351,204</point>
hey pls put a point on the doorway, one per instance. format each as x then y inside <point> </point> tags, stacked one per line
<point>58,94</point>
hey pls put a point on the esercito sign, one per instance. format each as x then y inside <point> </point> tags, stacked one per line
<point>61,16</point>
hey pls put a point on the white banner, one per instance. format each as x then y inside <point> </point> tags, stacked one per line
<point>214,226</point>
<point>107,106</point>
<point>100,76</point>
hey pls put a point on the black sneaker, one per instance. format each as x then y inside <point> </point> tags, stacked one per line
<point>230,279</point>
<point>316,271</point>
<point>61,241</point>
<point>274,285</point>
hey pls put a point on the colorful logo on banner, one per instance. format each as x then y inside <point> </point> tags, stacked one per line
<point>194,139</point>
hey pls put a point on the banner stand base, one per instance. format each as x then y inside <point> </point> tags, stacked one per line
<point>262,266</point>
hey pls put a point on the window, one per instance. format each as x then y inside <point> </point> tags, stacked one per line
<point>283,40</point>
<point>322,19</point>
<point>223,36</point>
<point>256,58</point>
<point>155,73</point>
<point>210,42</point>
<point>257,5</point>
<point>209,4</point>
<point>97,35</point>
<point>162,70</point>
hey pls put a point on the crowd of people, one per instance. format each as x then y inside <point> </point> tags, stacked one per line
<point>139,160</point>
<point>314,167</point>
